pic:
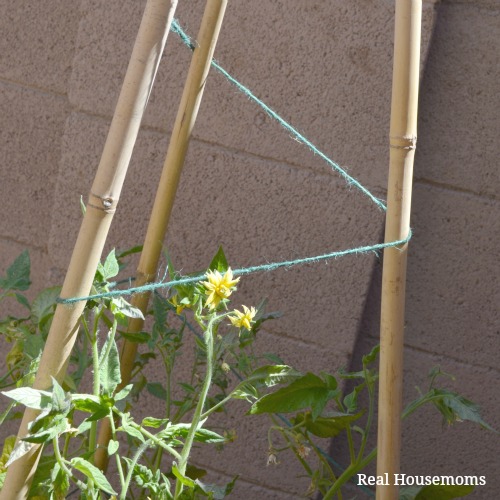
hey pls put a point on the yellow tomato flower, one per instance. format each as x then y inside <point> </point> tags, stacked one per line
<point>219,287</point>
<point>243,319</point>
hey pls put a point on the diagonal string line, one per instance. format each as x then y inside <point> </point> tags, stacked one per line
<point>239,272</point>
<point>351,181</point>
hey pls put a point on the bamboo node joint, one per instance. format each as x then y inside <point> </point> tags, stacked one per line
<point>105,203</point>
<point>408,142</point>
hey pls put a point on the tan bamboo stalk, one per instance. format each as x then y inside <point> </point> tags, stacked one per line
<point>403,137</point>
<point>103,198</point>
<point>167,188</point>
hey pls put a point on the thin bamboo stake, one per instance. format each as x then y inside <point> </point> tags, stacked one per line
<point>167,188</point>
<point>103,198</point>
<point>403,138</point>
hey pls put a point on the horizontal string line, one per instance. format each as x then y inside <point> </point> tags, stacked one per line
<point>239,272</point>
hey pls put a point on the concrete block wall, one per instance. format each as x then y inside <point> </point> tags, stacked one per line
<point>326,66</point>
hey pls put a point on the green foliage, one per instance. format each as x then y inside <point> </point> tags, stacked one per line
<point>152,457</point>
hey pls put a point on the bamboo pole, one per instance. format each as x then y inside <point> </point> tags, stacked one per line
<point>103,199</point>
<point>403,137</point>
<point>167,188</point>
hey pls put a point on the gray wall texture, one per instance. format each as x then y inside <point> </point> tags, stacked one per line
<point>326,66</point>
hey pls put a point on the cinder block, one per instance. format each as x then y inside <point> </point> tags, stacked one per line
<point>31,127</point>
<point>37,43</point>
<point>309,48</point>
<point>452,304</point>
<point>458,128</point>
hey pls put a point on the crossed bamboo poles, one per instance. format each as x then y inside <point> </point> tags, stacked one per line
<point>108,182</point>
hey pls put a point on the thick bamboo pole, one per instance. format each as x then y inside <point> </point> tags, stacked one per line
<point>103,198</point>
<point>167,188</point>
<point>403,137</point>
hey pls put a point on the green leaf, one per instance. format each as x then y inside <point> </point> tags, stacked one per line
<point>110,267</point>
<point>351,400</point>
<point>93,473</point>
<point>137,337</point>
<point>21,448</point>
<point>219,262</point>
<point>309,391</point>
<point>201,435</point>
<point>18,274</point>
<point>214,491</point>
<point>156,423</point>
<point>435,492</point>
<point>47,428</point>
<point>88,404</point>
<point>32,398</point>
<point>122,309</point>
<point>109,366</point>
<point>182,478</point>
<point>123,393</point>
<point>130,251</point>
<point>157,390</point>
<point>271,375</point>
<point>326,427</point>
<point>131,430</point>
<point>43,305</point>
<point>61,402</point>
<point>113,447</point>
<point>371,356</point>
<point>22,300</point>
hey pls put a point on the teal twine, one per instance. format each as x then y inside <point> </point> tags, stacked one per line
<point>351,181</point>
<point>239,272</point>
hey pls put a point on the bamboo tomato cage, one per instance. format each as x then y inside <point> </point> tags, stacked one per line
<point>165,195</point>
<point>403,137</point>
<point>103,199</point>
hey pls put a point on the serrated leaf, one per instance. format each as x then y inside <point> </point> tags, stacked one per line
<point>60,401</point>
<point>326,427</point>
<point>17,276</point>
<point>20,449</point>
<point>157,390</point>
<point>309,391</point>
<point>44,304</point>
<point>93,473</point>
<point>110,267</point>
<point>272,375</point>
<point>109,366</point>
<point>119,306</point>
<point>32,398</point>
<point>47,428</point>
<point>22,300</point>
<point>156,423</point>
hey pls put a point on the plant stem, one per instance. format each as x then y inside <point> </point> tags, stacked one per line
<point>62,463</point>
<point>209,340</point>
<point>95,389</point>
<point>348,473</point>
<point>151,437</point>
<point>135,459</point>
<point>118,462</point>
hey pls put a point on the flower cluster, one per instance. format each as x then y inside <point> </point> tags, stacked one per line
<point>219,287</point>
